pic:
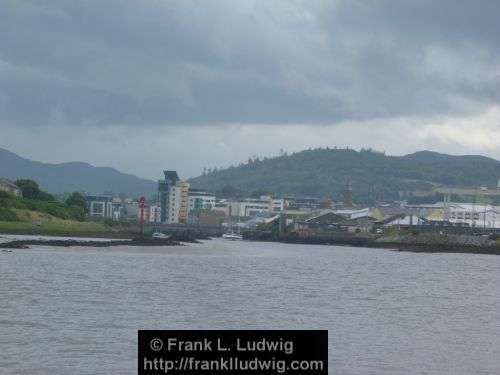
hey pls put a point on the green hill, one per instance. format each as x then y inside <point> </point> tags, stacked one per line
<point>40,213</point>
<point>374,175</point>
<point>73,176</point>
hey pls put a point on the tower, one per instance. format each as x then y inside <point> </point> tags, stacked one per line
<point>348,194</point>
<point>164,188</point>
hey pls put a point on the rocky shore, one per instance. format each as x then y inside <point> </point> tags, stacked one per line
<point>402,241</point>
<point>24,244</point>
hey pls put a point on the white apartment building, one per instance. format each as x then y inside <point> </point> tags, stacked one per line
<point>178,207</point>
<point>475,215</point>
<point>201,200</point>
<point>155,214</point>
<point>245,208</point>
<point>276,205</point>
<point>253,207</point>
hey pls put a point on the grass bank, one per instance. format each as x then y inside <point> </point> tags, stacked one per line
<point>39,223</point>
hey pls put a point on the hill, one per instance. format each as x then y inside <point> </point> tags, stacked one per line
<point>74,176</point>
<point>373,175</point>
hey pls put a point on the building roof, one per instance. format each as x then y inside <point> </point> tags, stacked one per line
<point>325,217</point>
<point>391,218</point>
<point>171,175</point>
<point>404,220</point>
<point>362,220</point>
<point>477,207</point>
<point>200,193</point>
<point>9,183</point>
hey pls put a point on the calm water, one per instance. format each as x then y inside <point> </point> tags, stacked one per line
<point>78,310</point>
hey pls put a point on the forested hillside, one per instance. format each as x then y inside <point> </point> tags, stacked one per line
<point>373,175</point>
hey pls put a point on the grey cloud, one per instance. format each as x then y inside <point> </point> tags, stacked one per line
<point>190,62</point>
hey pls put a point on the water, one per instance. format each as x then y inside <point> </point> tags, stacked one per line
<point>78,310</point>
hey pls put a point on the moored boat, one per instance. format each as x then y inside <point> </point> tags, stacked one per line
<point>232,236</point>
<point>160,235</point>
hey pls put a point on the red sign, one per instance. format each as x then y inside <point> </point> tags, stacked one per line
<point>142,201</point>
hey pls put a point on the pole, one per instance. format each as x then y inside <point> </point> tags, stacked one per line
<point>142,201</point>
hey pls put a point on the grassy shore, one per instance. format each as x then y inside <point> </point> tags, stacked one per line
<point>33,222</point>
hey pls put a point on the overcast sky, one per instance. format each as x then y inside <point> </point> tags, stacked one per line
<point>147,85</point>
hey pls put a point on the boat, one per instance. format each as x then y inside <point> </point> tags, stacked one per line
<point>161,236</point>
<point>232,236</point>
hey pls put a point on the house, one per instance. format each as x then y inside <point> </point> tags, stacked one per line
<point>10,187</point>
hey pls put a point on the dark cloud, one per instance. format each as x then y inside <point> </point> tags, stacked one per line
<point>190,62</point>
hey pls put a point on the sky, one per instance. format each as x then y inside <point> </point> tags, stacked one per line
<point>147,85</point>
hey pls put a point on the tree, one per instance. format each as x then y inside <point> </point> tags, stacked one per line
<point>229,191</point>
<point>31,190</point>
<point>76,199</point>
<point>259,193</point>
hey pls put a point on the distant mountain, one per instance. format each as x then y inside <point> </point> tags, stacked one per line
<point>74,176</point>
<point>373,175</point>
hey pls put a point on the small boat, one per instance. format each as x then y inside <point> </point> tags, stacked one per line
<point>161,236</point>
<point>232,236</point>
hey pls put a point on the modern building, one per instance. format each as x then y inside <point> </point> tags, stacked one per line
<point>475,215</point>
<point>200,200</point>
<point>182,201</point>
<point>100,206</point>
<point>276,204</point>
<point>10,187</point>
<point>301,204</point>
<point>254,207</point>
<point>154,213</point>
<point>164,192</point>
<point>174,198</point>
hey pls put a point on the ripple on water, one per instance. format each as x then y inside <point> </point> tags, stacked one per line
<point>386,312</point>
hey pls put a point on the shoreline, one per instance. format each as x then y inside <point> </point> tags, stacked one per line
<point>25,244</point>
<point>177,239</point>
<point>68,240</point>
<point>414,245</point>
